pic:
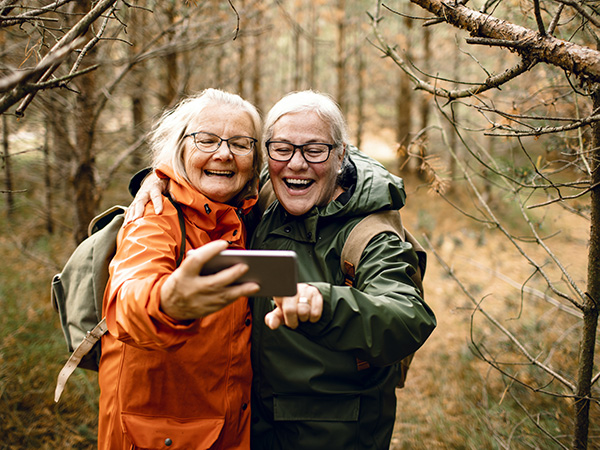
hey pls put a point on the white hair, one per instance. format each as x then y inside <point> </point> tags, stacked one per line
<point>301,101</point>
<point>166,138</point>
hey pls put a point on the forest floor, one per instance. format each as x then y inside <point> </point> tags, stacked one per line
<point>452,400</point>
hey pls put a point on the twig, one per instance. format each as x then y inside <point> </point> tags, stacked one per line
<point>536,423</point>
<point>497,324</point>
<point>561,198</point>
<point>237,28</point>
<point>535,292</point>
<point>538,17</point>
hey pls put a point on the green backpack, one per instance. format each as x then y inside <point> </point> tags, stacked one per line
<point>77,292</point>
<point>357,240</point>
<point>369,227</point>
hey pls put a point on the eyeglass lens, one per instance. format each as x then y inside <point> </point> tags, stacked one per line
<point>208,142</point>
<point>284,151</point>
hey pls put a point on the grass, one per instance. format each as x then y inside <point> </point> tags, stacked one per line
<point>32,348</point>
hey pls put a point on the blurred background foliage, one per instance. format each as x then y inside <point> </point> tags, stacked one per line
<point>490,124</point>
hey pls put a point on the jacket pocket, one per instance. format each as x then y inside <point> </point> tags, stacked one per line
<point>147,432</point>
<point>322,408</point>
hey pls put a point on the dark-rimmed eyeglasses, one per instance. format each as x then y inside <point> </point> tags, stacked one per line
<point>312,152</point>
<point>210,143</point>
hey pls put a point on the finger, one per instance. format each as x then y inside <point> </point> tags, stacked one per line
<point>303,309</point>
<point>242,290</point>
<point>157,199</point>
<point>274,319</point>
<point>135,211</point>
<point>316,308</point>
<point>290,312</point>
<point>129,216</point>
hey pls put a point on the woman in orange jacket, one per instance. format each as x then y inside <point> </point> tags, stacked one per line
<point>175,370</point>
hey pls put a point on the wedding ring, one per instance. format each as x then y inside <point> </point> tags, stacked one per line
<point>303,300</point>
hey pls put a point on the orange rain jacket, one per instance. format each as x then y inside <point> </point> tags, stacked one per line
<point>169,384</point>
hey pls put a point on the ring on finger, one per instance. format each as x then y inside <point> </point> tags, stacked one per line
<point>303,300</point>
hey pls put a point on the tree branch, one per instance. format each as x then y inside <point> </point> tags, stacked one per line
<point>491,82</point>
<point>579,60</point>
<point>79,29</point>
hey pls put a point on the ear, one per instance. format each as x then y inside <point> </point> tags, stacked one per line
<point>343,152</point>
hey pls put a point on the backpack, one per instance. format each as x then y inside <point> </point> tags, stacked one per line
<point>357,240</point>
<point>369,227</point>
<point>77,292</point>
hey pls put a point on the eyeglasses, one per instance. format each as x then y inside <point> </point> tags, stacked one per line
<point>313,152</point>
<point>210,143</point>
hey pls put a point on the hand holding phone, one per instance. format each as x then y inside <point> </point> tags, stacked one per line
<point>276,271</point>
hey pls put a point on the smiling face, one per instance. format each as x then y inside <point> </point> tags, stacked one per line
<point>300,185</point>
<point>219,175</point>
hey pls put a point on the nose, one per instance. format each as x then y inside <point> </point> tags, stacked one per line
<point>297,162</point>
<point>223,152</point>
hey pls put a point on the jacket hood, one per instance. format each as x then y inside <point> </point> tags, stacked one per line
<point>376,188</point>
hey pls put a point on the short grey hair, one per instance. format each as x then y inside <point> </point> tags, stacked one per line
<point>166,139</point>
<point>302,101</point>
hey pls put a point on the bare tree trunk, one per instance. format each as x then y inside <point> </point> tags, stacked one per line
<point>454,117</point>
<point>297,69</point>
<point>360,95</point>
<point>138,98</point>
<point>404,102</point>
<point>590,307</point>
<point>341,59</point>
<point>48,179</point>
<point>256,74</point>
<point>170,64</point>
<point>241,64</point>
<point>10,200</point>
<point>312,70</point>
<point>84,179</point>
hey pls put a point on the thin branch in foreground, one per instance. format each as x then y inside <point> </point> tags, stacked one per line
<point>237,27</point>
<point>534,292</point>
<point>536,423</point>
<point>498,325</point>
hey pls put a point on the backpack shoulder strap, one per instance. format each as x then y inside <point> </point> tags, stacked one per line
<point>369,227</point>
<point>82,349</point>
<point>357,240</point>
<point>361,235</point>
<point>181,218</point>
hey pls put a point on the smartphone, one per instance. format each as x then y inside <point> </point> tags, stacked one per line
<point>276,271</point>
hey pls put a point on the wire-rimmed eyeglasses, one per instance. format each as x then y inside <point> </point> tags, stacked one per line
<point>312,152</point>
<point>210,143</point>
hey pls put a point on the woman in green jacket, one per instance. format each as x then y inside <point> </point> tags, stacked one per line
<point>327,380</point>
<point>325,361</point>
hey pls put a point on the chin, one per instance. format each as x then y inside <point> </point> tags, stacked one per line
<point>295,210</point>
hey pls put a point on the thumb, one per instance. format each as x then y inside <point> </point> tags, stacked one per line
<point>196,258</point>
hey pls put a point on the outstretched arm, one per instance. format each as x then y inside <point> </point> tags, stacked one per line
<point>185,295</point>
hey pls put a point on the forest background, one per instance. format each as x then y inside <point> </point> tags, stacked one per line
<point>487,109</point>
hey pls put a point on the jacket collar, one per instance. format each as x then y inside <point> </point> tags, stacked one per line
<point>183,192</point>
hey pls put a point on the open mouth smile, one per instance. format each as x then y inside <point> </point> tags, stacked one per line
<point>219,173</point>
<point>297,183</point>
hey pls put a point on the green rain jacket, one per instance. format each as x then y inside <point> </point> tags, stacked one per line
<point>311,388</point>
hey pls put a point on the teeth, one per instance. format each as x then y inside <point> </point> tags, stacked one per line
<point>297,181</point>
<point>227,173</point>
